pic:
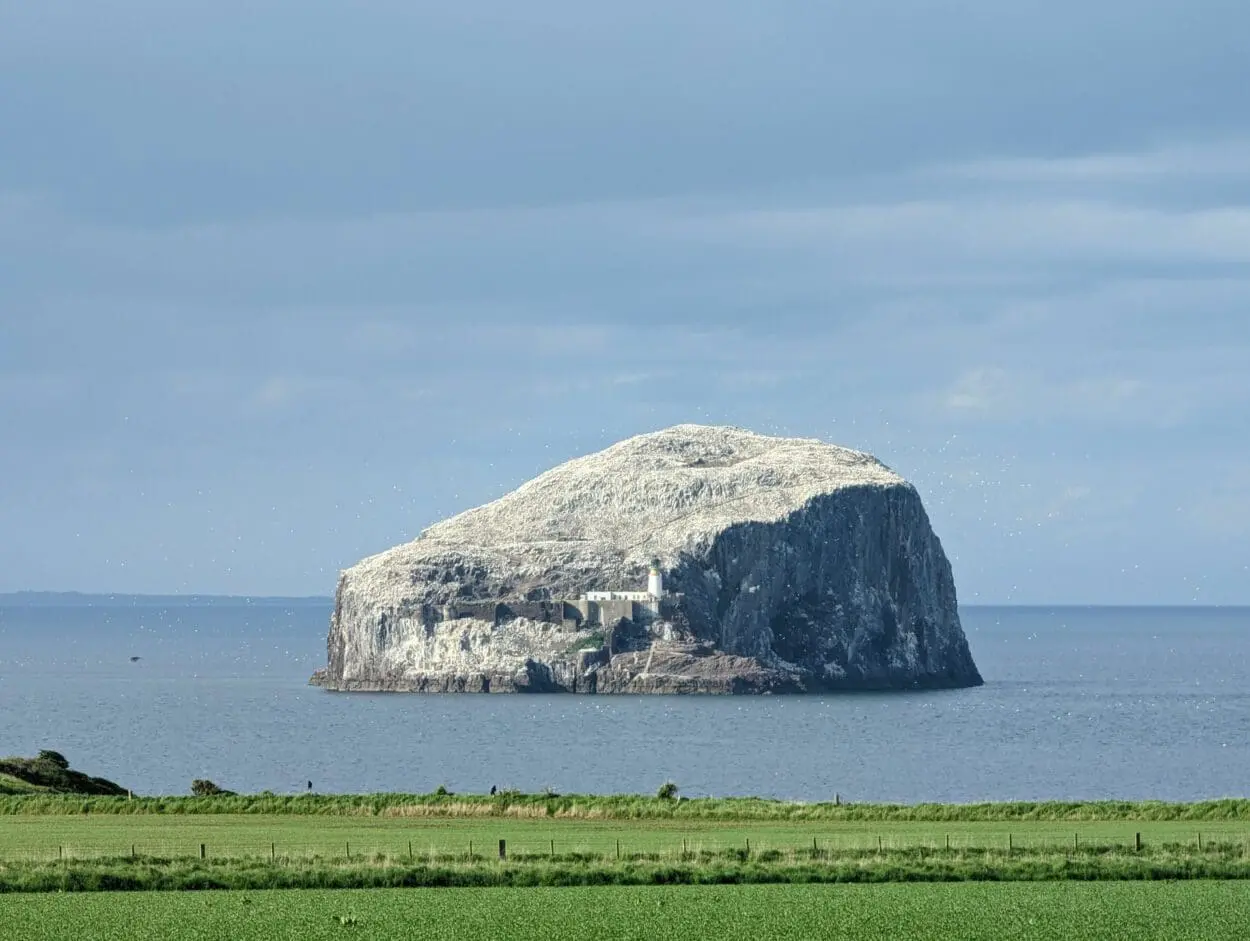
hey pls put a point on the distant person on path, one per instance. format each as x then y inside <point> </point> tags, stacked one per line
<point>492,790</point>
<point>309,787</point>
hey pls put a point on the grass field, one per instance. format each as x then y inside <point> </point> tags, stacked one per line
<point>1200,911</point>
<point>624,807</point>
<point>40,837</point>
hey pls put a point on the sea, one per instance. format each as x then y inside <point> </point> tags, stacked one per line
<point>1078,703</point>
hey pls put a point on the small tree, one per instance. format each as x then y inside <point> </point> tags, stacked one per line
<point>201,787</point>
<point>667,791</point>
<point>54,758</point>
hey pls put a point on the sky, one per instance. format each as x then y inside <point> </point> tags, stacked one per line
<point>283,283</point>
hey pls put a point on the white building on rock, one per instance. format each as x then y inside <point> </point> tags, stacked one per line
<point>654,592</point>
<point>609,607</point>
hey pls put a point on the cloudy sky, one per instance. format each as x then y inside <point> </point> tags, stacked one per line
<point>281,283</point>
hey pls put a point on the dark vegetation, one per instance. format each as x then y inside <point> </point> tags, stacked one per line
<point>1166,862</point>
<point>511,803</point>
<point>49,773</point>
<point>202,787</point>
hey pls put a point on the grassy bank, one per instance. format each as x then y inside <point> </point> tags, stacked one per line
<point>973,912</point>
<point>49,773</point>
<point>623,807</point>
<point>1167,863</point>
<point>10,785</point>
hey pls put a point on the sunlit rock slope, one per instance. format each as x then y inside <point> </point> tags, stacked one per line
<point>793,565</point>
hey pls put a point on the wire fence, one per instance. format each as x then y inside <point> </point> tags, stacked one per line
<point>419,848</point>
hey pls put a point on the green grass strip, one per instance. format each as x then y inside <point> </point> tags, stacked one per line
<point>624,807</point>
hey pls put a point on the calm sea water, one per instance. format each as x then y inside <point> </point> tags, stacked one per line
<point>1078,703</point>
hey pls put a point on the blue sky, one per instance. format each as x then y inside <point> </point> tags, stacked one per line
<point>281,283</point>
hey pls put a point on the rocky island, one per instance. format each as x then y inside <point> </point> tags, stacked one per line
<point>691,560</point>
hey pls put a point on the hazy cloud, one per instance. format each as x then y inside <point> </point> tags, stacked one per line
<point>284,283</point>
<point>1187,161</point>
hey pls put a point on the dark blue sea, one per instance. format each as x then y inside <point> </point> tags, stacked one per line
<point>1078,703</point>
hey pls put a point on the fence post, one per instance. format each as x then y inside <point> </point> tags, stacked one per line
<point>60,852</point>
<point>748,846</point>
<point>349,849</point>
<point>618,849</point>
<point>1009,844</point>
<point>1137,842</point>
<point>1200,841</point>
<point>553,849</point>
<point>410,849</point>
<point>203,851</point>
<point>503,849</point>
<point>470,849</point>
<point>132,851</point>
<point>273,852</point>
<point>814,849</point>
<point>878,843</point>
<point>948,841</point>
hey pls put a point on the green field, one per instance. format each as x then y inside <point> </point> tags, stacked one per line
<point>1201,911</point>
<point>37,837</point>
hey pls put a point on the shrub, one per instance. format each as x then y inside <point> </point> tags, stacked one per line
<point>202,787</point>
<point>54,758</point>
<point>667,791</point>
<point>441,791</point>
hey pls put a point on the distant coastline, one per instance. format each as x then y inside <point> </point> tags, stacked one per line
<point>76,599</point>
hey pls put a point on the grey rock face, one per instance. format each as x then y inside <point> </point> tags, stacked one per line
<point>796,566</point>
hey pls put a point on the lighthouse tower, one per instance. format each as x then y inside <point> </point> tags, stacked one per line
<point>655,581</point>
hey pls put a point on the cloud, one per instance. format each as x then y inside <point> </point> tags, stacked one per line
<point>1033,354</point>
<point>1197,160</point>
<point>978,390</point>
<point>279,393</point>
<point>918,241</point>
<point>1023,394</point>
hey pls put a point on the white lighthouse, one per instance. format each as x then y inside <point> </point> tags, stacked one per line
<point>655,581</point>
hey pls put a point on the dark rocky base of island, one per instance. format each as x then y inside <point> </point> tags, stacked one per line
<point>657,671</point>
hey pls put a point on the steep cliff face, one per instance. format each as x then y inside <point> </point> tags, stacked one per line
<point>796,565</point>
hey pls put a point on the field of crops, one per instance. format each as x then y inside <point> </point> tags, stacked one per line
<point>1201,911</point>
<point>89,836</point>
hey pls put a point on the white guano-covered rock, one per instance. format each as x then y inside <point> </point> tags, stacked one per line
<point>800,566</point>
